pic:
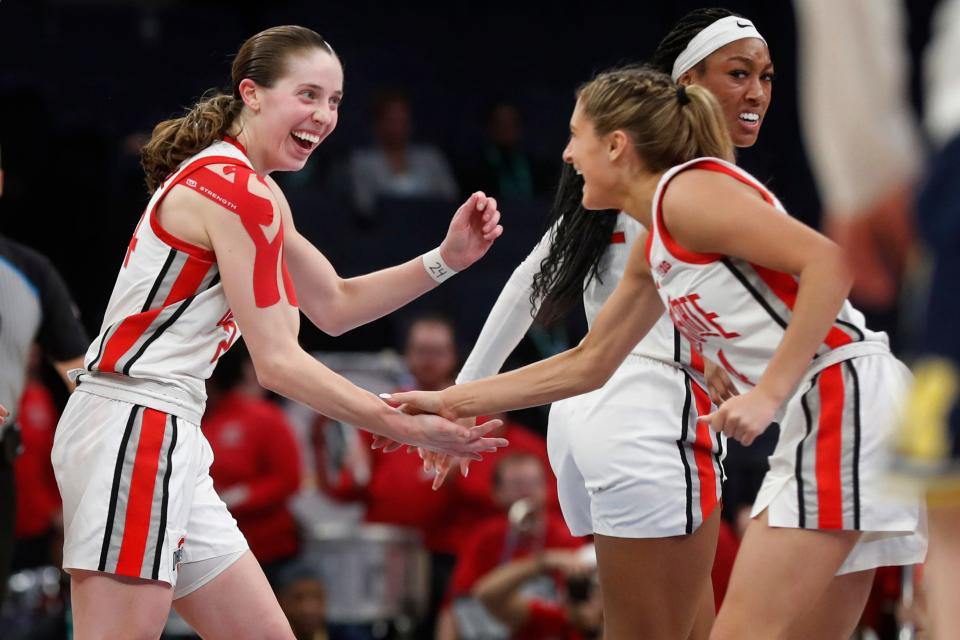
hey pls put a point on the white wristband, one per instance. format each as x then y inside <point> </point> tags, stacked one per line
<point>435,267</point>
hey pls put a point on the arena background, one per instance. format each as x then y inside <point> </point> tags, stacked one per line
<point>81,84</point>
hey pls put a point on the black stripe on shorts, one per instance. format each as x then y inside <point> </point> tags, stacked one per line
<point>115,489</point>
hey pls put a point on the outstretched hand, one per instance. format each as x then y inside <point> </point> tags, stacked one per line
<point>473,229</point>
<point>438,434</point>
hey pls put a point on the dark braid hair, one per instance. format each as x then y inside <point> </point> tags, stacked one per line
<point>581,236</point>
<point>576,246</point>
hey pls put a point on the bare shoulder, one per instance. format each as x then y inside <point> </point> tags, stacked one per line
<point>695,187</point>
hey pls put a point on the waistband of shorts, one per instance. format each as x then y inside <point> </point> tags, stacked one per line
<point>148,393</point>
<point>847,352</point>
<point>642,359</point>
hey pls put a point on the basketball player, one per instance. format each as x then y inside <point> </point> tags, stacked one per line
<point>764,296</point>
<point>627,436</point>
<point>217,252</point>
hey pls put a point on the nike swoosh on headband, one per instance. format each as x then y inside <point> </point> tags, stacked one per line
<point>743,26</point>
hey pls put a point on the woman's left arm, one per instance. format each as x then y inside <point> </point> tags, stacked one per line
<point>336,305</point>
<point>713,213</point>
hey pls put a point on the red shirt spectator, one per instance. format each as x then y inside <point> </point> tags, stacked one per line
<point>397,491</point>
<point>38,498</point>
<point>492,544</point>
<point>393,486</point>
<point>474,503</point>
<point>256,470</point>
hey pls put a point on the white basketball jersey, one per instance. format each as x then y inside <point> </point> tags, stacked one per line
<point>663,342</point>
<point>168,320</point>
<point>734,311</point>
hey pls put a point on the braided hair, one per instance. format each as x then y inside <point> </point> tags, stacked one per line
<point>581,237</point>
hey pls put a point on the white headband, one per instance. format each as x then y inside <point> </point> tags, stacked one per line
<point>719,34</point>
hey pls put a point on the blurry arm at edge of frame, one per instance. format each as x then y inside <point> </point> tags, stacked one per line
<point>863,141</point>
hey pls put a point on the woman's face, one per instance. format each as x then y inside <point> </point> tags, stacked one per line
<point>590,156</point>
<point>740,75</point>
<point>299,111</point>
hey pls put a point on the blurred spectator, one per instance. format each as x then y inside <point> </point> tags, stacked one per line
<point>256,467</point>
<point>524,527</point>
<point>394,487</point>
<point>304,601</point>
<point>38,523</point>
<point>396,167</point>
<point>36,307</point>
<point>577,615</point>
<point>502,167</point>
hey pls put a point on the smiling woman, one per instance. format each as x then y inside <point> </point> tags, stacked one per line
<point>217,253</point>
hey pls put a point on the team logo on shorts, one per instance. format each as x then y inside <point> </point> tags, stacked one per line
<point>178,554</point>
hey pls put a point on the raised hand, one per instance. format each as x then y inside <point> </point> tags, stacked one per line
<point>3,414</point>
<point>745,417</point>
<point>473,229</point>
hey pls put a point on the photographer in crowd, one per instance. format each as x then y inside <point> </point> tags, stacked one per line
<point>579,613</point>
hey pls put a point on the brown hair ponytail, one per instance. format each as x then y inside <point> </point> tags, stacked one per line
<point>261,58</point>
<point>173,141</point>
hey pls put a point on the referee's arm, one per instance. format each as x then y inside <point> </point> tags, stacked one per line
<point>61,334</point>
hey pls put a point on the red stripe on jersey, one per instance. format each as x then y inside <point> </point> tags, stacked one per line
<point>133,243</point>
<point>618,237</point>
<point>133,327</point>
<point>785,287</point>
<point>703,454</point>
<point>696,359</point>
<point>188,280</point>
<point>829,442</point>
<point>649,247</point>
<point>136,525</point>
<point>125,337</point>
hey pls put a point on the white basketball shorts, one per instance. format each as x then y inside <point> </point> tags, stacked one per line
<point>827,471</point>
<point>137,495</point>
<point>631,460</point>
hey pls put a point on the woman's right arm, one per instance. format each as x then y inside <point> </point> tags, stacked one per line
<point>270,333</point>
<point>508,320</point>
